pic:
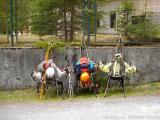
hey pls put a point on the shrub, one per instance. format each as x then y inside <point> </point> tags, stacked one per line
<point>146,31</point>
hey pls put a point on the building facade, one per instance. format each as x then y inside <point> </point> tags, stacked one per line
<point>109,22</point>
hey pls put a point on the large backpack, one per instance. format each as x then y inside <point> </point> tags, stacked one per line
<point>122,68</point>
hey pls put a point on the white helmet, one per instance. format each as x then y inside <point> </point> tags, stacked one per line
<point>119,55</point>
<point>50,72</point>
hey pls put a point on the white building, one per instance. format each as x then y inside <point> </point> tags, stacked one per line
<point>109,22</point>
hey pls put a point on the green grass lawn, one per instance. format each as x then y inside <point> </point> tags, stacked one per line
<point>30,95</point>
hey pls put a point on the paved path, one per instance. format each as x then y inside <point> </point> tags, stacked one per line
<point>132,108</point>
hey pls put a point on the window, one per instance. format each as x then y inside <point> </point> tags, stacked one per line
<point>137,19</point>
<point>98,23</point>
<point>113,20</point>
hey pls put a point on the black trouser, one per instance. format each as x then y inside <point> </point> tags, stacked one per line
<point>122,82</point>
<point>118,78</point>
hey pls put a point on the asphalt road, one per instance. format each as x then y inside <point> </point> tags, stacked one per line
<point>132,108</point>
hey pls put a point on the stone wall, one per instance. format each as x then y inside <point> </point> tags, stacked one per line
<point>146,59</point>
<point>16,64</point>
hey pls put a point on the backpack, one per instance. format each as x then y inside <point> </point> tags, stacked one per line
<point>122,69</point>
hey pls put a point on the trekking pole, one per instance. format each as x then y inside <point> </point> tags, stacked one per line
<point>119,42</point>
